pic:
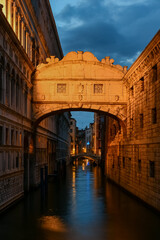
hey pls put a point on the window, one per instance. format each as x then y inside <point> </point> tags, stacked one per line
<point>154,115</point>
<point>152,169</point>
<point>25,103</point>
<point>132,91</point>
<point>8,86</point>
<point>141,120</point>
<point>1,82</point>
<point>16,137</point>
<point>113,161</point>
<point>17,161</point>
<point>13,88</point>
<point>61,88</point>
<point>123,162</point>
<point>7,136</point>
<point>1,135</point>
<point>142,84</point>
<point>20,139</point>
<point>1,161</point>
<point>9,161</point>
<point>98,88</point>
<point>139,165</point>
<point>17,95</point>
<point>154,72</point>
<point>12,136</point>
<point>4,163</point>
<point>131,123</point>
<point>129,163</point>
<point>119,162</point>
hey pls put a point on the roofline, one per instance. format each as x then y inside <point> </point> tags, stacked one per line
<point>55,28</point>
<point>144,54</point>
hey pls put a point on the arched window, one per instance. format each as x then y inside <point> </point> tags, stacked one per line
<point>17,93</point>
<point>1,79</point>
<point>25,100</point>
<point>21,95</point>
<point>8,85</point>
<point>13,88</point>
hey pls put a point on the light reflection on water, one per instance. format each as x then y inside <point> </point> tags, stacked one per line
<point>81,205</point>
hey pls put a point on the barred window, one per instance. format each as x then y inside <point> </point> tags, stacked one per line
<point>1,135</point>
<point>154,115</point>
<point>142,84</point>
<point>132,91</point>
<point>98,88</point>
<point>152,169</point>
<point>12,136</point>
<point>123,162</point>
<point>61,88</point>
<point>155,75</point>
<point>139,165</point>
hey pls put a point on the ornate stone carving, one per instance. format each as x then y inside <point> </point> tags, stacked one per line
<point>116,97</point>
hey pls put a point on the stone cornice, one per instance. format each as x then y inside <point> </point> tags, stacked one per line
<point>145,60</point>
<point>15,41</point>
<point>39,31</point>
<point>36,25</point>
<point>54,27</point>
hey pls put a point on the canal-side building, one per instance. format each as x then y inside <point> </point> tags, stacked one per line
<point>89,138</point>
<point>73,135</point>
<point>26,30</point>
<point>133,149</point>
<point>81,141</point>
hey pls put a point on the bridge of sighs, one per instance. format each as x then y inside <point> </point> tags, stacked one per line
<point>79,82</point>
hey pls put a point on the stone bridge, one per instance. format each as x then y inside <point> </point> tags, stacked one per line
<point>90,156</point>
<point>79,82</point>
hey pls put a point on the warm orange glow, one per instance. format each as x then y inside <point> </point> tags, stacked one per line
<point>20,139</point>
<point>83,166</point>
<point>52,223</point>
<point>84,149</point>
<point>74,185</point>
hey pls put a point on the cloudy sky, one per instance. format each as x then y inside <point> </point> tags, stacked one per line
<point>120,29</point>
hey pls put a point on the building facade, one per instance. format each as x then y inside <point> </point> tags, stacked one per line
<point>73,135</point>
<point>89,138</point>
<point>133,150</point>
<point>26,28</point>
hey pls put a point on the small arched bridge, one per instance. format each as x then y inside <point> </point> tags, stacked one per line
<point>79,82</point>
<point>89,156</point>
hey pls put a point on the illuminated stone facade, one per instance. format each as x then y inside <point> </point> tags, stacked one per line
<point>79,81</point>
<point>133,158</point>
<point>26,28</point>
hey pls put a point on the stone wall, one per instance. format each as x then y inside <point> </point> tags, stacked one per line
<point>11,188</point>
<point>133,161</point>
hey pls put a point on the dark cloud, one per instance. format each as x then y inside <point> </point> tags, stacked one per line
<point>108,30</point>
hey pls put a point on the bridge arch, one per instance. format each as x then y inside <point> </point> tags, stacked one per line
<point>79,82</point>
<point>85,155</point>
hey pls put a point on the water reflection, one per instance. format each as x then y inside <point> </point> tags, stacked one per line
<point>81,205</point>
<point>52,223</point>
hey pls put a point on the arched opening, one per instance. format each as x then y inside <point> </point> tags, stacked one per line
<point>8,82</point>
<point>1,79</point>
<point>54,153</point>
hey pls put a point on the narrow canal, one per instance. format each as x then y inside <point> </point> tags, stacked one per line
<point>80,206</point>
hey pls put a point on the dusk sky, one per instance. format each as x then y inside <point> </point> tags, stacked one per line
<point>120,29</point>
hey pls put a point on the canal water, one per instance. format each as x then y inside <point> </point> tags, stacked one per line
<point>81,205</point>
